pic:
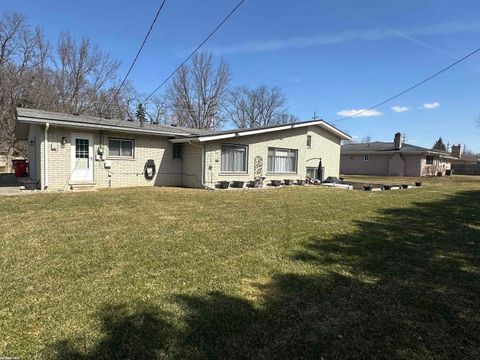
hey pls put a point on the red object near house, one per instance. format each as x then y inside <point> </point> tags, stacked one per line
<point>21,167</point>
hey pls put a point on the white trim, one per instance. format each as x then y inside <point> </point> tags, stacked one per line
<point>28,120</point>
<point>248,132</point>
<point>45,183</point>
<point>89,176</point>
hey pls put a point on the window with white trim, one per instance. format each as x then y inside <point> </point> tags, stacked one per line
<point>282,160</point>
<point>366,157</point>
<point>120,148</point>
<point>309,141</point>
<point>429,160</point>
<point>234,158</point>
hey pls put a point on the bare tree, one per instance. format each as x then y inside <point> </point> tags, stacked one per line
<point>366,139</point>
<point>197,94</point>
<point>250,108</point>
<point>23,52</point>
<point>158,110</point>
<point>85,77</point>
<point>286,118</point>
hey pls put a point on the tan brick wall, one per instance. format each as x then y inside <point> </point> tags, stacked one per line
<point>192,166</point>
<point>124,172</point>
<point>324,145</point>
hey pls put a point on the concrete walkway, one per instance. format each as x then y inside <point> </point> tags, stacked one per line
<point>13,191</point>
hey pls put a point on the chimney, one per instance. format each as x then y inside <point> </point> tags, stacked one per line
<point>397,142</point>
<point>456,150</point>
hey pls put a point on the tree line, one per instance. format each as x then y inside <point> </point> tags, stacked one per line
<point>78,77</point>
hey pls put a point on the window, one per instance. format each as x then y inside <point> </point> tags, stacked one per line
<point>282,160</point>
<point>234,158</point>
<point>429,160</point>
<point>365,157</point>
<point>120,148</point>
<point>312,172</point>
<point>177,151</point>
<point>81,148</point>
<point>309,141</point>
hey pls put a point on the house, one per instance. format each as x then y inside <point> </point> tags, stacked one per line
<point>68,151</point>
<point>392,159</point>
<point>463,158</point>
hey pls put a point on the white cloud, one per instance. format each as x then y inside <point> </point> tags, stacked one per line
<point>359,112</point>
<point>400,109</point>
<point>296,80</point>
<point>431,106</point>
<point>375,34</point>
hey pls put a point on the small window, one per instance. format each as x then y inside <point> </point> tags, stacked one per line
<point>177,151</point>
<point>282,160</point>
<point>429,160</point>
<point>312,172</point>
<point>365,157</point>
<point>234,159</point>
<point>120,148</point>
<point>309,141</point>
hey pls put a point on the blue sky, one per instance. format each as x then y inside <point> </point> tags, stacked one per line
<point>332,57</point>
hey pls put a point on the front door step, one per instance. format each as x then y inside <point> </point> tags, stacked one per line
<point>83,186</point>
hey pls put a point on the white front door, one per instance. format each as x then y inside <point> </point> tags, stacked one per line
<point>82,158</point>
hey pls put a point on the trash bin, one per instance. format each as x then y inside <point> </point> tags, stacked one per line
<point>21,167</point>
<point>448,172</point>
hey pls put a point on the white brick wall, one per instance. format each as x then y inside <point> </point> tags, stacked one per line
<point>324,145</point>
<point>187,172</point>
<point>124,172</point>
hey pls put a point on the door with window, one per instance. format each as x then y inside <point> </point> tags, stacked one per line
<point>82,158</point>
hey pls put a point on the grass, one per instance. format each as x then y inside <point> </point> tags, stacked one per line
<point>151,273</point>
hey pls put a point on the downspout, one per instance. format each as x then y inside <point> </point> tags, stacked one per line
<point>203,165</point>
<point>45,173</point>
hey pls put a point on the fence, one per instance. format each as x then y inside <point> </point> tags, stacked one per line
<point>466,169</point>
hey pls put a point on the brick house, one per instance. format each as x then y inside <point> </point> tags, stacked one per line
<point>68,151</point>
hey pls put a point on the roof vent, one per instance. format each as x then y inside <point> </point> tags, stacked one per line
<point>76,113</point>
<point>108,117</point>
<point>174,125</point>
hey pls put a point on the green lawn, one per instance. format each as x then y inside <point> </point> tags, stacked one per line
<point>311,272</point>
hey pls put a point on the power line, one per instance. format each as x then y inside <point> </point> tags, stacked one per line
<point>411,87</point>
<point>196,49</point>
<point>139,51</point>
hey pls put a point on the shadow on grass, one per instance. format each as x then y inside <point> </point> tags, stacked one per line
<point>406,285</point>
<point>142,333</point>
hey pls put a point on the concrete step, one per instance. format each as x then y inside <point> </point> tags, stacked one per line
<point>82,186</point>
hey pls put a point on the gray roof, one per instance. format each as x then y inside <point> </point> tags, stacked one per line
<point>386,147</point>
<point>94,120</point>
<point>381,146</point>
<point>26,115</point>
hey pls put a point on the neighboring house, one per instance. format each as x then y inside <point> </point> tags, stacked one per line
<point>392,159</point>
<point>462,158</point>
<point>66,151</point>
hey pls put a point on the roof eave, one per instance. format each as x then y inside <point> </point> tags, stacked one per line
<point>33,120</point>
<point>250,132</point>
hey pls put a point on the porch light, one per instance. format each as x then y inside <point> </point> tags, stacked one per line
<point>64,141</point>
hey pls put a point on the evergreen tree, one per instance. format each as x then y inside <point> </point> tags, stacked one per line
<point>439,145</point>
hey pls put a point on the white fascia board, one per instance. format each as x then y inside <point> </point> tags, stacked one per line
<point>95,126</point>
<point>267,130</point>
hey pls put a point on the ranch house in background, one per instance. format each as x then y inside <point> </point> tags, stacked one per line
<point>393,159</point>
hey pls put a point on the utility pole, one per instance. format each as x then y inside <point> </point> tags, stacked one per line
<point>404,138</point>
<point>314,117</point>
